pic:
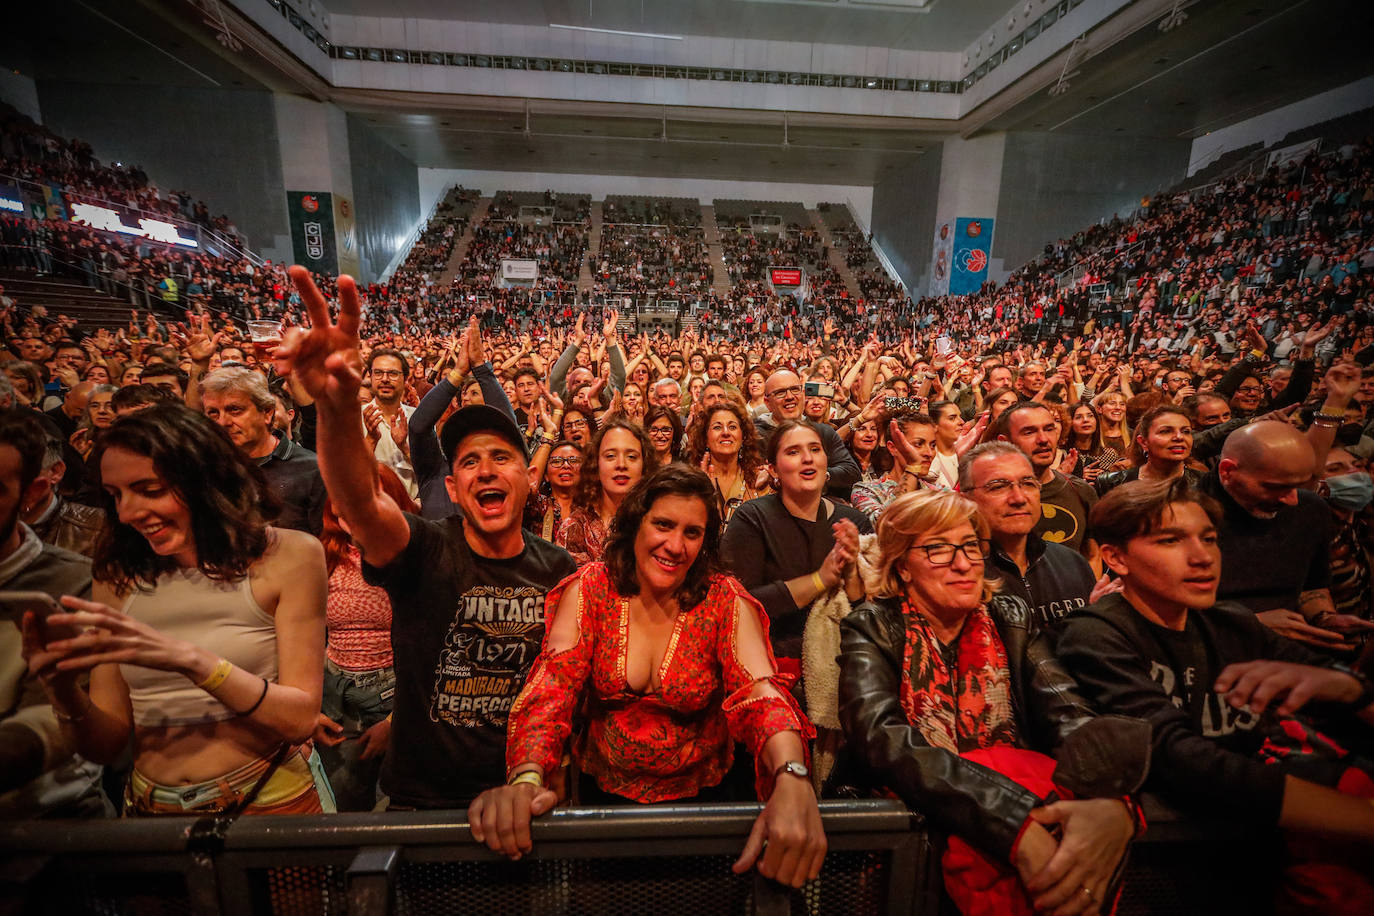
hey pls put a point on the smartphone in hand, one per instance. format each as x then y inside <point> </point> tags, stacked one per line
<point>14,605</point>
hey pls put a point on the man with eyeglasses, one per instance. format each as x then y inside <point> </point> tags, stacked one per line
<point>785,396</point>
<point>1052,579</point>
<point>387,419</point>
<point>1064,501</point>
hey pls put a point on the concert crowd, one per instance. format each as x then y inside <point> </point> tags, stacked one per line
<point>284,544</point>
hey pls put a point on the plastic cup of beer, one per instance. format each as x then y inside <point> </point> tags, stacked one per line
<point>266,336</point>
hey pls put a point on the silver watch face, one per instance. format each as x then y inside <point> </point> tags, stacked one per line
<point>796,768</point>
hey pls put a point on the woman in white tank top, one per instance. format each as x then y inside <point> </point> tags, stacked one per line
<point>206,636</point>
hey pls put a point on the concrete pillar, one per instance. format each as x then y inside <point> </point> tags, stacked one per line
<point>318,177</point>
<point>966,214</point>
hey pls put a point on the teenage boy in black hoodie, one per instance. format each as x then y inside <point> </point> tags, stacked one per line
<point>1220,689</point>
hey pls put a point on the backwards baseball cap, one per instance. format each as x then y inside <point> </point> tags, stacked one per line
<point>480,418</point>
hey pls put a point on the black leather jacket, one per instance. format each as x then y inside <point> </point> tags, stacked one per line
<point>1099,757</point>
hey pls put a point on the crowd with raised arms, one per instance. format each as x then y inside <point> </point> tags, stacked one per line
<point>1013,558</point>
<point>651,261</point>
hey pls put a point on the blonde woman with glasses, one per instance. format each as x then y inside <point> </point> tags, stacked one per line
<point>944,685</point>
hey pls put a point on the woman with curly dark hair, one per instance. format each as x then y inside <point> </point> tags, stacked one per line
<point>617,458</point>
<point>213,662</point>
<point>723,443</point>
<point>669,659</point>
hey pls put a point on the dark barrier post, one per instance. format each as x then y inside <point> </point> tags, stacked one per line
<point>372,880</point>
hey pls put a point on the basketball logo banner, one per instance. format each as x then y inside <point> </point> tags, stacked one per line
<point>972,246</point>
<point>312,230</point>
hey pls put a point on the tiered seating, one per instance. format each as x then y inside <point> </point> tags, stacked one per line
<point>31,152</point>
<point>559,248</point>
<point>568,208</point>
<point>737,213</point>
<point>676,212</point>
<point>748,254</point>
<point>653,246</point>
<point>652,260</point>
<point>432,250</point>
<point>872,279</point>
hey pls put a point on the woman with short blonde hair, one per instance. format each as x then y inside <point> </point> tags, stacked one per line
<point>945,686</point>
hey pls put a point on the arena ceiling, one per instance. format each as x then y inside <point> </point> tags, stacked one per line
<point>1232,59</point>
<point>699,143</point>
<point>917,25</point>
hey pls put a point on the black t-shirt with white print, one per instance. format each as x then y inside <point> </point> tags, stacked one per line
<point>465,631</point>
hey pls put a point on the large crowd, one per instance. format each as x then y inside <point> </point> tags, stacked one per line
<point>31,152</point>
<point>1014,558</point>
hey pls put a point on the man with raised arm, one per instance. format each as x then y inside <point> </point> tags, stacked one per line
<point>467,591</point>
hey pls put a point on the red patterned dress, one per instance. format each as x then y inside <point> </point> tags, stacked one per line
<point>671,742</point>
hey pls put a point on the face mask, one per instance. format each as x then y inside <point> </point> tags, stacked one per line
<point>1351,492</point>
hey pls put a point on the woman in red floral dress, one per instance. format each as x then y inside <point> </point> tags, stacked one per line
<point>671,663</point>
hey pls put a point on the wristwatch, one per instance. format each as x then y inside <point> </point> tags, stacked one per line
<point>793,768</point>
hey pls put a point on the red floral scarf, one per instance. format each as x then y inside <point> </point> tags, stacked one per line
<point>969,707</point>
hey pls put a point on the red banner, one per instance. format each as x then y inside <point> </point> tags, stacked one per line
<point>785,276</point>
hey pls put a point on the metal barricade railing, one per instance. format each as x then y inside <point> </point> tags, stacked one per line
<point>664,860</point>
<point>655,859</point>
<point>134,293</point>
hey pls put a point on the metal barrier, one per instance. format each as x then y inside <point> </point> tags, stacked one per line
<point>135,293</point>
<point>665,860</point>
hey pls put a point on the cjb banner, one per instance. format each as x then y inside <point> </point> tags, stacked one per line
<point>972,245</point>
<point>312,230</point>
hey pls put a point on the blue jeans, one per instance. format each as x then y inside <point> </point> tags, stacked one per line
<point>357,700</point>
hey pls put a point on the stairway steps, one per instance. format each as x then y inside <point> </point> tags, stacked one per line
<point>720,277</point>
<point>836,255</point>
<point>460,248</point>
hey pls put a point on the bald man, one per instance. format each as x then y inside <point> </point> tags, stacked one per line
<point>785,396</point>
<point>68,414</point>
<point>1275,535</point>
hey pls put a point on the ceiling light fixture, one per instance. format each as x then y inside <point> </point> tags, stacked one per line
<point>587,28</point>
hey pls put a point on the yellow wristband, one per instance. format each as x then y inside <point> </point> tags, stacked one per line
<point>531,777</point>
<point>817,581</point>
<point>218,675</point>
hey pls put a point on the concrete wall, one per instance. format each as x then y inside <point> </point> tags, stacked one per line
<point>433,182</point>
<point>1055,184</point>
<point>970,185</point>
<point>218,144</point>
<point>386,197</point>
<point>1272,126</point>
<point>21,91</point>
<point>904,218</point>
